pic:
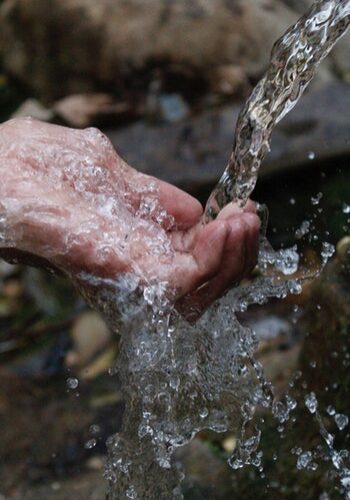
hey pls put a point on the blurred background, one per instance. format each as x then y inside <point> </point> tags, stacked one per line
<point>165,80</point>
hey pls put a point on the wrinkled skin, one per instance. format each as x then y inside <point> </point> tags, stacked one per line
<point>67,198</point>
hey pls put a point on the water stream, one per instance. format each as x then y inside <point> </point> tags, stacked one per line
<point>294,60</point>
<point>179,379</point>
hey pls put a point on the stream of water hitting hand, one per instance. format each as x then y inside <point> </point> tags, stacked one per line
<point>294,61</point>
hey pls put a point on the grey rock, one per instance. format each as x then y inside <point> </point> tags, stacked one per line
<point>192,154</point>
<point>341,59</point>
<point>229,80</point>
<point>5,271</point>
<point>300,6</point>
<point>90,336</point>
<point>90,485</point>
<point>173,108</point>
<point>33,108</point>
<point>84,110</point>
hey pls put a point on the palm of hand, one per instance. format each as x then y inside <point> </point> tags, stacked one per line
<point>68,198</point>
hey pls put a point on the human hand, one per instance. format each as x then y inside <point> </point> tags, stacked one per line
<point>69,199</point>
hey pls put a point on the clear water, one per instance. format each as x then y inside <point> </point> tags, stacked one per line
<point>179,378</point>
<point>294,61</point>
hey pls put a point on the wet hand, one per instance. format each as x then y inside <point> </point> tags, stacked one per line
<point>69,199</point>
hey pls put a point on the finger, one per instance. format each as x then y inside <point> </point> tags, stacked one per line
<point>233,209</point>
<point>250,207</point>
<point>193,269</point>
<point>253,227</point>
<point>185,240</point>
<point>231,270</point>
<point>184,208</point>
<point>239,258</point>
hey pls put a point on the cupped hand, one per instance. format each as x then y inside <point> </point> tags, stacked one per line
<point>69,199</point>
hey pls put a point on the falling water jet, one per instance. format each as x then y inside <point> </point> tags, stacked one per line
<point>294,60</point>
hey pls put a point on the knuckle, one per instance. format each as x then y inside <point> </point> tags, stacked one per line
<point>99,142</point>
<point>96,136</point>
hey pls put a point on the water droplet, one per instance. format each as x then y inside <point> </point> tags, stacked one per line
<point>346,208</point>
<point>90,444</point>
<point>315,200</point>
<point>203,413</point>
<point>336,459</point>
<point>94,429</point>
<point>311,155</point>
<point>341,420</point>
<point>287,261</point>
<point>345,481</point>
<point>303,230</point>
<point>291,403</point>
<point>72,383</point>
<point>327,252</point>
<point>304,460</point>
<point>330,410</point>
<point>131,493</point>
<point>311,402</point>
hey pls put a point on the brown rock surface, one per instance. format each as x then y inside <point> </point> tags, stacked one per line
<point>82,45</point>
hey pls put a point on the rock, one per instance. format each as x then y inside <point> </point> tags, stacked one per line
<point>173,108</point>
<point>192,154</point>
<point>85,110</point>
<point>6,270</point>
<point>229,80</point>
<point>100,364</point>
<point>340,57</point>
<point>33,108</point>
<point>88,485</point>
<point>161,107</point>
<point>79,46</point>
<point>300,6</point>
<point>343,250</point>
<point>90,336</point>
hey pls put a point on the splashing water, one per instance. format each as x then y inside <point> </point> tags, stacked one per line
<point>178,378</point>
<point>294,60</point>
<point>338,459</point>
